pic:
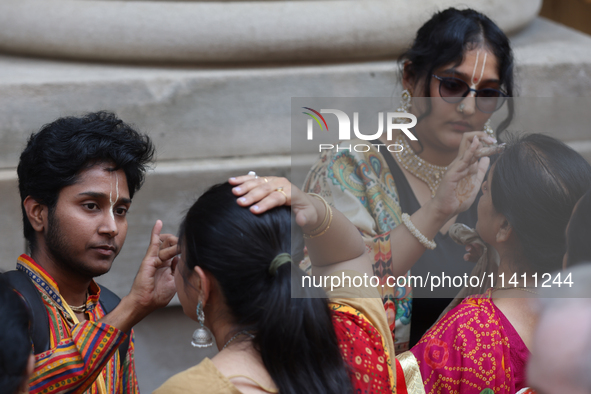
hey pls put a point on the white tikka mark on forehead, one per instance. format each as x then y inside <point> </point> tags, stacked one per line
<point>472,80</point>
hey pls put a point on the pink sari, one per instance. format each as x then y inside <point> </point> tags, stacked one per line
<point>472,349</point>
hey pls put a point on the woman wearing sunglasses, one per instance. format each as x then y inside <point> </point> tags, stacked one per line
<point>458,72</point>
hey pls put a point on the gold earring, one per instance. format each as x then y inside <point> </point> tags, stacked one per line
<point>405,101</point>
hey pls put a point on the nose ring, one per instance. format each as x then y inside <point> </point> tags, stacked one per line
<point>461,107</point>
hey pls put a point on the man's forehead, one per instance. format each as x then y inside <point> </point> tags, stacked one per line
<point>102,170</point>
<point>102,178</point>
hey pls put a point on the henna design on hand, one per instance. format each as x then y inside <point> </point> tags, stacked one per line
<point>464,190</point>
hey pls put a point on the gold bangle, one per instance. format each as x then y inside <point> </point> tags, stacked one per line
<point>326,222</point>
<point>306,236</point>
<point>326,216</point>
<point>416,233</point>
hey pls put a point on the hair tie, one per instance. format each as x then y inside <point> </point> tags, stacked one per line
<point>278,261</point>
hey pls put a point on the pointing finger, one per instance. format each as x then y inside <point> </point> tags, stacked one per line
<point>154,246</point>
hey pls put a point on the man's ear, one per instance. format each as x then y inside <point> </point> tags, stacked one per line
<point>505,231</point>
<point>36,213</point>
<point>204,285</point>
<point>408,78</point>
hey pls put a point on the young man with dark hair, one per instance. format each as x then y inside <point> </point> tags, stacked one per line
<point>77,178</point>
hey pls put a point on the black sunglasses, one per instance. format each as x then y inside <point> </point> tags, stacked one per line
<point>453,90</point>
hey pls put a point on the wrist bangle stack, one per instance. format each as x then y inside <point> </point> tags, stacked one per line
<point>416,233</point>
<point>326,222</point>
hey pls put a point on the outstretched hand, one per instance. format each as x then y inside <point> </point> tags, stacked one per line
<point>153,286</point>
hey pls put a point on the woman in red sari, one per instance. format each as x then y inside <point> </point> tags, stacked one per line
<point>481,346</point>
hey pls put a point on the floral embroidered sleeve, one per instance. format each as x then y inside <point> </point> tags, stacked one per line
<point>75,363</point>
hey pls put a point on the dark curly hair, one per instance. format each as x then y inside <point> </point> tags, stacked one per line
<point>55,156</point>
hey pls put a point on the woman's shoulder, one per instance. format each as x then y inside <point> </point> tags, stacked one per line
<point>474,323</point>
<point>476,304</point>
<point>360,185</point>
<point>370,156</point>
<point>358,173</point>
<point>204,375</point>
<point>468,340</point>
<point>474,311</point>
<point>340,162</point>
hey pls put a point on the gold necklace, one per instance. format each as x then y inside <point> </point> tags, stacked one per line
<point>517,288</point>
<point>425,171</point>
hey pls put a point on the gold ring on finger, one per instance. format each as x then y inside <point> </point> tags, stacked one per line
<point>280,190</point>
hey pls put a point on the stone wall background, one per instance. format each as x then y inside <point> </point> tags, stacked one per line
<point>212,121</point>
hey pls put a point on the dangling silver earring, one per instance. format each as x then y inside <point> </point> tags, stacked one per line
<point>202,337</point>
<point>488,129</point>
<point>405,101</point>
